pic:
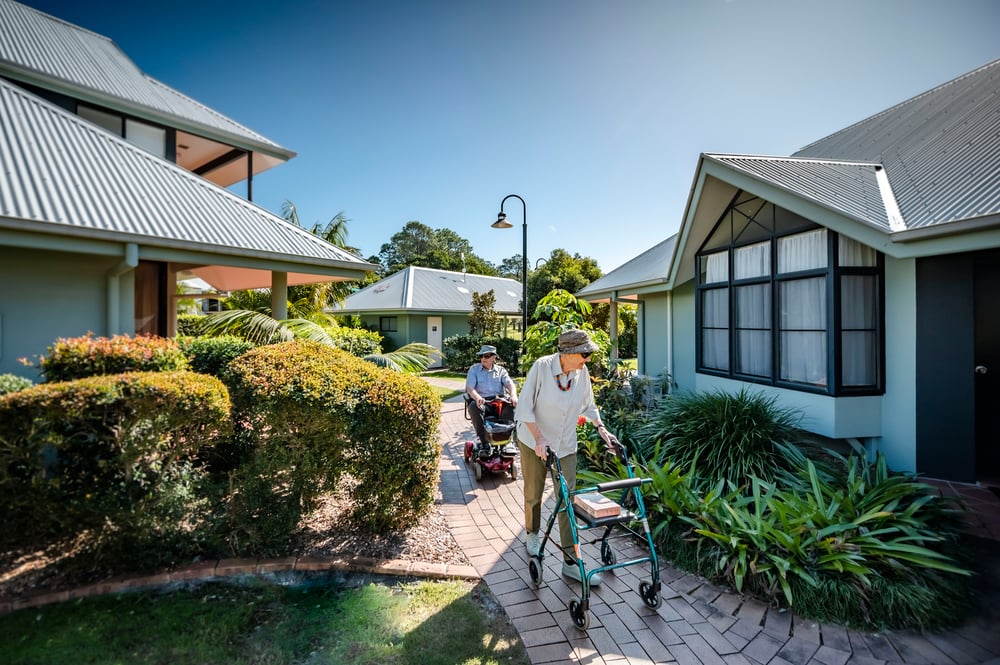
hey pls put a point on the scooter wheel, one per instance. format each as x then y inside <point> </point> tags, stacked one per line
<point>479,470</point>
<point>650,595</point>
<point>513,470</point>
<point>580,616</point>
<point>535,570</point>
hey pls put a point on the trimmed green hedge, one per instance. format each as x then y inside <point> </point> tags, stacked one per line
<point>118,451</point>
<point>308,414</point>
<point>79,357</point>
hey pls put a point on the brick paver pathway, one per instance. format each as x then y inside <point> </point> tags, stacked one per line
<point>696,621</point>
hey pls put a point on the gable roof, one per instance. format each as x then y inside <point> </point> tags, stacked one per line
<point>431,290</point>
<point>940,149</point>
<point>63,176</point>
<point>649,269</point>
<point>45,51</point>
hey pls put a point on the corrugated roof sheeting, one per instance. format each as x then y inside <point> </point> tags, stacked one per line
<point>651,266</point>
<point>850,188</point>
<point>44,45</point>
<point>940,149</point>
<point>59,169</point>
<point>428,289</point>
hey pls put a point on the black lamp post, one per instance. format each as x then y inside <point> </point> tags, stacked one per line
<point>502,223</point>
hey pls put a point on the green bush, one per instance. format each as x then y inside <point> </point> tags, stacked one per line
<point>461,351</point>
<point>309,413</point>
<point>356,341</point>
<point>863,547</point>
<point>11,383</point>
<point>722,435</point>
<point>189,325</point>
<point>211,355</point>
<point>116,452</point>
<point>79,357</point>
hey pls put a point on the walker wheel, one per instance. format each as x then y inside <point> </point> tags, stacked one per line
<point>580,616</point>
<point>513,471</point>
<point>650,595</point>
<point>535,570</point>
<point>479,470</point>
<point>608,557</point>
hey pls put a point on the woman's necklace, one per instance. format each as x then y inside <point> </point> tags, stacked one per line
<point>569,383</point>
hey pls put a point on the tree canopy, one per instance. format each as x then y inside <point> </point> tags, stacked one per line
<point>561,271</point>
<point>419,245</point>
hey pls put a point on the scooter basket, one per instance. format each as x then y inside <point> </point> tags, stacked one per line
<point>499,430</point>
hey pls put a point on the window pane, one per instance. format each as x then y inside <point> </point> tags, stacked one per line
<point>715,308</point>
<point>753,329</point>
<point>857,301</point>
<point>853,253</point>
<point>804,251</point>
<point>859,364</point>
<point>803,331</point>
<point>149,138</point>
<point>715,268</point>
<point>752,260</point>
<point>715,329</point>
<point>109,121</point>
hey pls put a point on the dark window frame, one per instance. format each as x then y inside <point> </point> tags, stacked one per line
<point>388,324</point>
<point>833,274</point>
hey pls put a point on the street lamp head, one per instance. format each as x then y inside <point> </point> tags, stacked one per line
<point>501,222</point>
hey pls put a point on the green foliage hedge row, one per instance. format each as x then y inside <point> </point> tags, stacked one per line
<point>79,357</point>
<point>307,414</point>
<point>211,355</point>
<point>10,383</point>
<point>106,451</point>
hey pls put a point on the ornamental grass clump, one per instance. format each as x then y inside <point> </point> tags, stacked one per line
<point>721,435</point>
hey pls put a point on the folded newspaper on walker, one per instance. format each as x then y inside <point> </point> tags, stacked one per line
<point>596,505</point>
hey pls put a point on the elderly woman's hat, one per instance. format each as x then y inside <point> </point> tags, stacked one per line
<point>487,349</point>
<point>576,341</point>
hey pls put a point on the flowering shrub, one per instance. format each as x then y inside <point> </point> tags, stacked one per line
<point>11,383</point>
<point>79,357</point>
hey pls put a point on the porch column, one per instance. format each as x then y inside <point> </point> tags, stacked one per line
<point>613,320</point>
<point>279,295</point>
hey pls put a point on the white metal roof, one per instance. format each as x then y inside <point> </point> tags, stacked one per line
<point>430,290</point>
<point>61,175</point>
<point>648,269</point>
<point>43,50</point>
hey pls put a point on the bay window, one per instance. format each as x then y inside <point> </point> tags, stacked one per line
<point>786,302</point>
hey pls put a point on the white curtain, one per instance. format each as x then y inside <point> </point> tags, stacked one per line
<point>803,251</point>
<point>752,260</point>
<point>753,334</point>
<point>853,253</point>
<point>803,331</point>
<point>715,329</point>
<point>859,322</point>
<point>716,267</point>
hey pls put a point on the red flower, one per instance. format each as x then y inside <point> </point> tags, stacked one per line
<point>581,421</point>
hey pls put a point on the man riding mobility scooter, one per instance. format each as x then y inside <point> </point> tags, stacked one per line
<point>490,398</point>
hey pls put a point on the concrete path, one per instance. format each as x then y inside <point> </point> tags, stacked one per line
<point>696,621</point>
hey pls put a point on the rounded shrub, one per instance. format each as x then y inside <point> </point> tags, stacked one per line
<point>306,415</point>
<point>211,355</point>
<point>11,383</point>
<point>79,357</point>
<point>115,451</point>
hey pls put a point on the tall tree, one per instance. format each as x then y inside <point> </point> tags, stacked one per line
<point>561,271</point>
<point>419,245</point>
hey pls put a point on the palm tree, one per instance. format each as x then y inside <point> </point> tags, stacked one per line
<point>335,233</point>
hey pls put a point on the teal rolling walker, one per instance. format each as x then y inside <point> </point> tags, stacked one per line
<point>632,509</point>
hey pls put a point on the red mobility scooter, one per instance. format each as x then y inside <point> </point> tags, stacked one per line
<point>500,454</point>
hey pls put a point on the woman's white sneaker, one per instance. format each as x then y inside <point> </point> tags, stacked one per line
<point>572,571</point>
<point>531,544</point>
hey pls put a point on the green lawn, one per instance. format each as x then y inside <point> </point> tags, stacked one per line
<point>332,619</point>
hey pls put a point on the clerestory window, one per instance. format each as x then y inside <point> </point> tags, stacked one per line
<point>786,302</point>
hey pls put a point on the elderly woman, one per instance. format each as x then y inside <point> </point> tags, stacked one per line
<point>556,392</point>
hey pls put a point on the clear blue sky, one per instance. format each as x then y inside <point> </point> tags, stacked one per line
<point>594,112</point>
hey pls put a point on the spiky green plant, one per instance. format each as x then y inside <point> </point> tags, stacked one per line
<point>722,435</point>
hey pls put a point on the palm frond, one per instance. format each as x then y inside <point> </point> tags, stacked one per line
<point>251,326</point>
<point>413,358</point>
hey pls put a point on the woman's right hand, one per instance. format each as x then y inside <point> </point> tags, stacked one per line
<point>540,448</point>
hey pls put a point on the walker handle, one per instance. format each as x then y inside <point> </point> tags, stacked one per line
<point>624,483</point>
